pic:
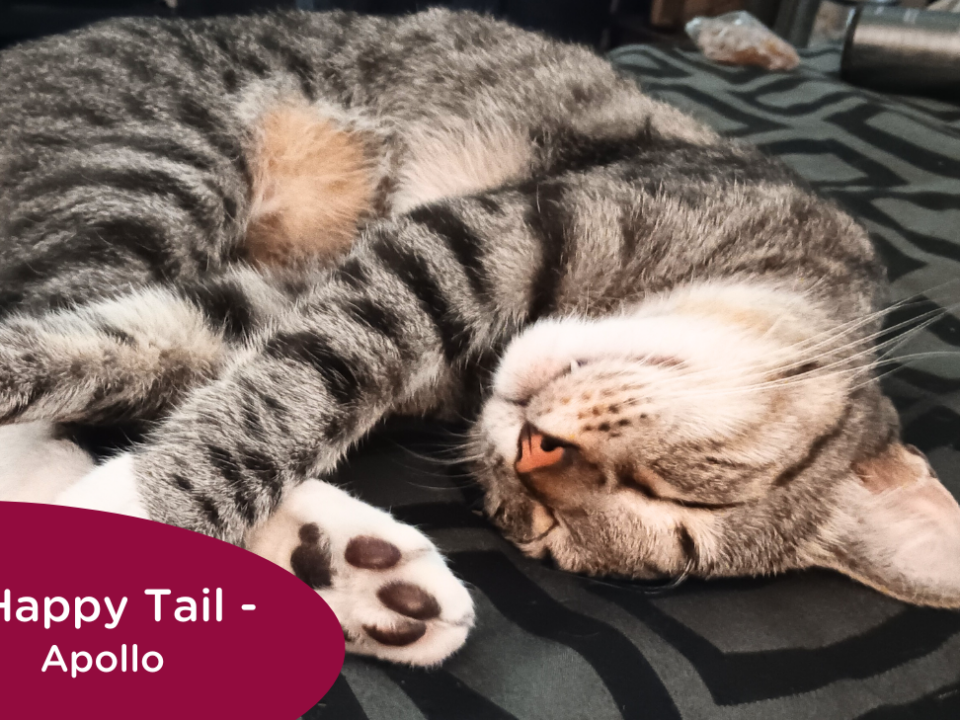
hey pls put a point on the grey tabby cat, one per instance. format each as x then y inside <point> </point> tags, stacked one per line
<point>263,235</point>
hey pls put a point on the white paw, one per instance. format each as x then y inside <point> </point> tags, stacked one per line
<point>111,487</point>
<point>35,465</point>
<point>388,586</point>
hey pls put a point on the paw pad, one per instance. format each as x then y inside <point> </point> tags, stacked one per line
<point>403,633</point>
<point>410,600</point>
<point>394,596</point>
<point>372,553</point>
<point>311,561</point>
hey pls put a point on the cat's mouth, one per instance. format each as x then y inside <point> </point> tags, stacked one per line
<point>537,522</point>
<point>542,523</point>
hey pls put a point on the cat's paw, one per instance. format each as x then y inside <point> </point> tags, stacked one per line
<point>386,582</point>
<point>111,487</point>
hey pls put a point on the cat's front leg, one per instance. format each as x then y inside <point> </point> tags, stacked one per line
<point>390,324</point>
<point>387,583</point>
<point>285,411</point>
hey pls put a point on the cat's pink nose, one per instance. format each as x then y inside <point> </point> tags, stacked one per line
<point>536,450</point>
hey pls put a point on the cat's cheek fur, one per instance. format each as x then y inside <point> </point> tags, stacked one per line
<point>110,487</point>
<point>389,587</point>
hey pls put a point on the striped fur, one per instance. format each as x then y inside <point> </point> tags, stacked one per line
<point>126,194</point>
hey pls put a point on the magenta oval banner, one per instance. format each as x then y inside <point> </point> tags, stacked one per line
<point>112,617</point>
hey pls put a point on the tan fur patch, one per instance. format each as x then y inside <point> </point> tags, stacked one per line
<point>313,182</point>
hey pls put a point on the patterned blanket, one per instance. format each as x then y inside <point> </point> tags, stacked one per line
<point>552,646</point>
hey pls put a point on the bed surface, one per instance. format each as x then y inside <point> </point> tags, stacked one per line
<point>551,646</point>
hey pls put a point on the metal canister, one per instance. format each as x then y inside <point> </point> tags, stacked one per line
<point>904,50</point>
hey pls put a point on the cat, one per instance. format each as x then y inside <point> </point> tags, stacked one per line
<point>259,236</point>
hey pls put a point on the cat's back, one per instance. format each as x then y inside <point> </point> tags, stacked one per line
<point>436,59</point>
<point>140,144</point>
<point>217,77</point>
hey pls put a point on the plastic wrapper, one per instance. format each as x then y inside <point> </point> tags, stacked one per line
<point>738,38</point>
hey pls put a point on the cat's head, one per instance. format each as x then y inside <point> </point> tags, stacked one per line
<point>717,431</point>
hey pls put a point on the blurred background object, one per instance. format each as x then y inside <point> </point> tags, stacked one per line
<point>799,22</point>
<point>805,22</point>
<point>834,16</point>
<point>830,24</point>
<point>738,38</point>
<point>795,20</point>
<point>904,50</point>
<point>670,13</point>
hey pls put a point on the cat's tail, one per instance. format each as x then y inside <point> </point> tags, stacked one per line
<point>130,357</point>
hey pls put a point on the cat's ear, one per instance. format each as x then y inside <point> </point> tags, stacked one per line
<point>897,529</point>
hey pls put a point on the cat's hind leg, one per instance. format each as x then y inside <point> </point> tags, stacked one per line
<point>130,357</point>
<point>386,582</point>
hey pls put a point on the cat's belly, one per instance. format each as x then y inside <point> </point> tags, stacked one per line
<point>37,466</point>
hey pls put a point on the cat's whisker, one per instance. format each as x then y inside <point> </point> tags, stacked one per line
<point>844,328</point>
<point>766,368</point>
<point>455,458</point>
<point>887,373</point>
<point>438,473</point>
<point>822,372</point>
<point>799,351</point>
<point>743,389</point>
<point>737,385</point>
<point>919,356</point>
